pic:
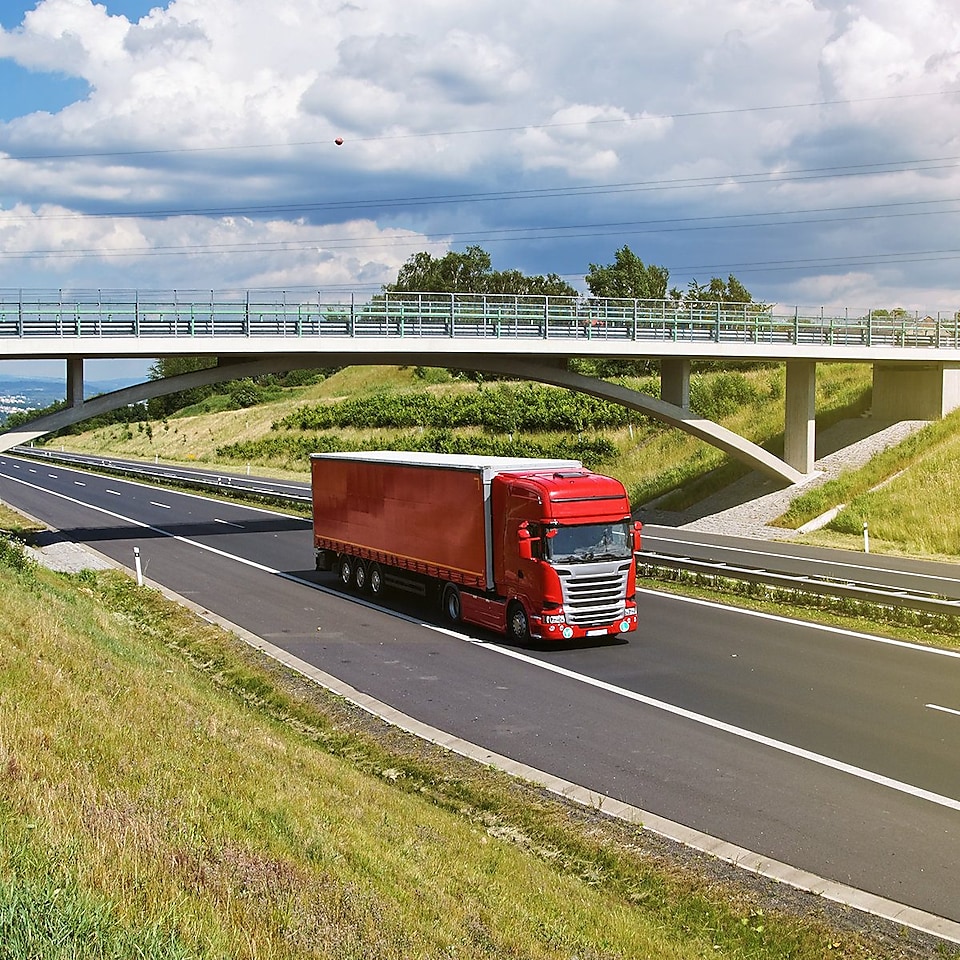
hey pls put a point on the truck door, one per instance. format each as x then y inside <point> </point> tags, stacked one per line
<point>521,577</point>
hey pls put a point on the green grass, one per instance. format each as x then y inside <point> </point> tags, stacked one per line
<point>167,792</point>
<point>906,494</point>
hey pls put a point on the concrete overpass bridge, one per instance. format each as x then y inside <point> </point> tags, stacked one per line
<point>915,360</point>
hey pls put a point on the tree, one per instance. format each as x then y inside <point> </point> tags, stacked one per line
<point>471,272</point>
<point>628,277</point>
<point>730,290</point>
<point>160,407</point>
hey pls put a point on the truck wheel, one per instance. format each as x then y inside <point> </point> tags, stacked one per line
<point>345,570</point>
<point>518,626</point>
<point>375,579</point>
<point>360,576</point>
<point>451,603</point>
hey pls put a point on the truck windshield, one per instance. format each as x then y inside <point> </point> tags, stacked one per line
<point>591,541</point>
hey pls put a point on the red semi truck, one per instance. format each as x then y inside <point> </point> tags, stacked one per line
<point>530,548</point>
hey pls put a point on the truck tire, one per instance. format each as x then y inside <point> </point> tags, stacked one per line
<point>518,626</point>
<point>345,570</point>
<point>360,576</point>
<point>375,579</point>
<point>452,609</point>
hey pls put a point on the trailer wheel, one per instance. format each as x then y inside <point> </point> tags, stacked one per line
<point>518,626</point>
<point>375,579</point>
<point>360,576</point>
<point>451,603</point>
<point>345,570</point>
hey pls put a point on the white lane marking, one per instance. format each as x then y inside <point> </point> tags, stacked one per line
<point>53,476</point>
<point>79,483</point>
<point>788,748</point>
<point>115,493</point>
<point>154,503</point>
<point>227,523</point>
<point>776,618</point>
<point>934,706</point>
<point>806,560</point>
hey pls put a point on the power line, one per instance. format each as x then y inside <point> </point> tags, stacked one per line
<point>812,173</point>
<point>555,232</point>
<point>685,115</point>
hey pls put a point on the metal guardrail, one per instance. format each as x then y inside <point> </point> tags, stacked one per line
<point>220,483</point>
<point>187,314</point>
<point>824,586</point>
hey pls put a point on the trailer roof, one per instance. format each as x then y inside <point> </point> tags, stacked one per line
<point>453,461</point>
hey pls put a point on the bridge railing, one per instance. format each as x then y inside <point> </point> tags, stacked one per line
<point>187,314</point>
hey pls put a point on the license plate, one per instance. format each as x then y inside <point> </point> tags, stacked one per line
<point>596,633</point>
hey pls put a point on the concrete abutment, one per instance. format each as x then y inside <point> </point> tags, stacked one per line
<point>915,391</point>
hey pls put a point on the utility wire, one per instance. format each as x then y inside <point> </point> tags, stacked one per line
<point>813,173</point>
<point>643,118</point>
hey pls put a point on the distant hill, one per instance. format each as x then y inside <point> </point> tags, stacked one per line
<point>18,394</point>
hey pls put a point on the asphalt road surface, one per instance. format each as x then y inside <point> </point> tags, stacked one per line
<point>831,751</point>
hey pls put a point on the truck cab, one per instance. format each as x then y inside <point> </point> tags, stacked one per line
<point>565,558</point>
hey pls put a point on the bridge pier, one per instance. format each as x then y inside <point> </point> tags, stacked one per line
<point>74,381</point>
<point>800,419</point>
<point>915,391</point>
<point>675,381</point>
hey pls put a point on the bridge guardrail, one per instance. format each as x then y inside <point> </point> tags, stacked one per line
<point>417,315</point>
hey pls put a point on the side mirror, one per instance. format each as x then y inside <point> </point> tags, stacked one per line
<point>637,527</point>
<point>524,542</point>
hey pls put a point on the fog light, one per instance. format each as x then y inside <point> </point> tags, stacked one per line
<point>624,626</point>
<point>567,633</point>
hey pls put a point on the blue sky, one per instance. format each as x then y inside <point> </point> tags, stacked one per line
<point>809,147</point>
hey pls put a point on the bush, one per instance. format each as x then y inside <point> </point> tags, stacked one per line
<point>503,409</point>
<point>14,556</point>
<point>721,396</point>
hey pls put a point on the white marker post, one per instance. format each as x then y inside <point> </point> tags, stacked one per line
<point>866,538</point>
<point>136,563</point>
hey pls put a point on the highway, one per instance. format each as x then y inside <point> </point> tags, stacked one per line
<point>893,573</point>
<point>830,751</point>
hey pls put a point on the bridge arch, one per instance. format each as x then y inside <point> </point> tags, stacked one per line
<point>753,455</point>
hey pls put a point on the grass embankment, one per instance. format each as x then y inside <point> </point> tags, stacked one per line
<point>650,459</point>
<point>907,495</point>
<point>166,793</point>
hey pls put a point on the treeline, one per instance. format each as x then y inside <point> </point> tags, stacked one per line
<point>504,408</point>
<point>507,408</point>
<point>283,448</point>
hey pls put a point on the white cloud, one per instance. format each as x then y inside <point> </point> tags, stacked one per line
<point>690,102</point>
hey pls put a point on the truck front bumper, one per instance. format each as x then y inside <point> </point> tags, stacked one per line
<point>548,627</point>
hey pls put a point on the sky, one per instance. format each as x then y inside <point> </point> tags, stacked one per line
<point>809,147</point>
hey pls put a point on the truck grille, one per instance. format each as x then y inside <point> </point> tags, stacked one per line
<point>594,593</point>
